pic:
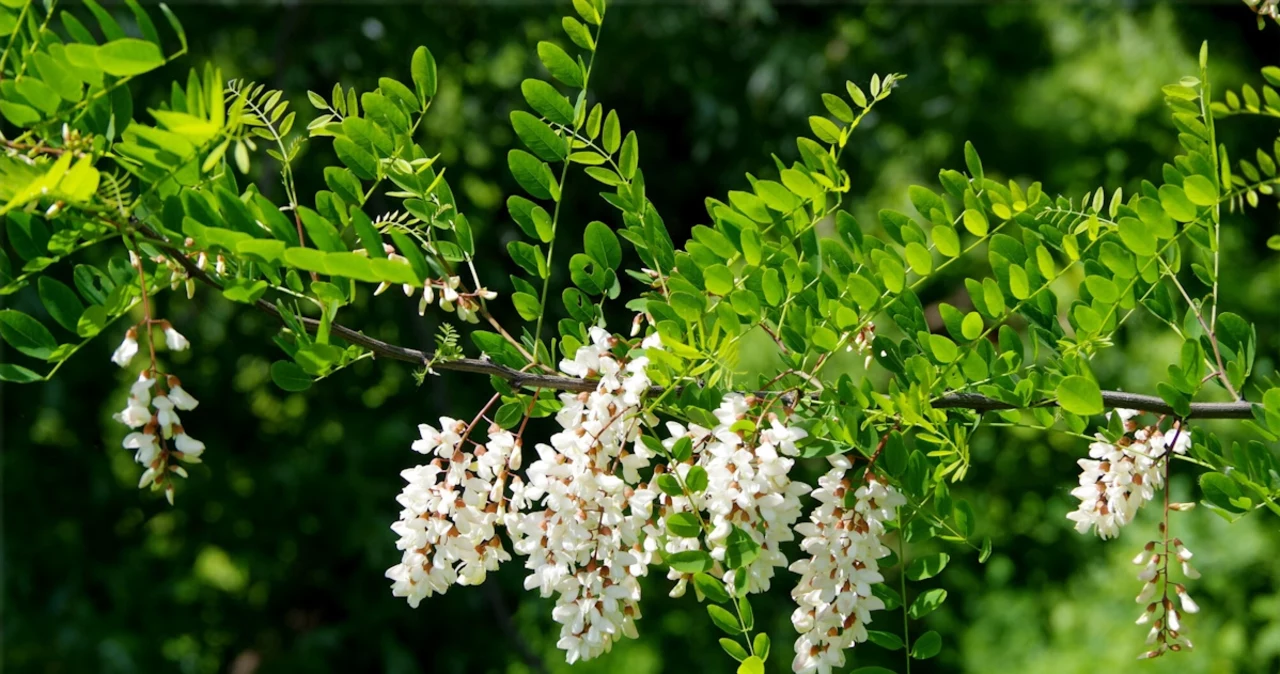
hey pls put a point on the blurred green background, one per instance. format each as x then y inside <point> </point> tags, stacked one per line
<point>272,559</point>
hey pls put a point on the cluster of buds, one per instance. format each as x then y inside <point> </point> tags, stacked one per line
<point>448,292</point>
<point>862,343</point>
<point>452,297</point>
<point>1164,615</point>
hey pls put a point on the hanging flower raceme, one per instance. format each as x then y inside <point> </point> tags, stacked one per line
<point>452,507</point>
<point>1164,613</point>
<point>748,490</point>
<point>153,405</point>
<point>843,538</point>
<point>1120,476</point>
<point>585,544</point>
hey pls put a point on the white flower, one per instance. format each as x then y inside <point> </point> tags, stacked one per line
<point>145,444</point>
<point>127,349</point>
<point>165,416</point>
<point>174,339</point>
<point>179,396</point>
<point>135,414</point>
<point>189,446</point>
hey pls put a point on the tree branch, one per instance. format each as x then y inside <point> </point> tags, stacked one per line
<point>518,379</point>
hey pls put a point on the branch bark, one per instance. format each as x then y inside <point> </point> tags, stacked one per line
<point>518,379</point>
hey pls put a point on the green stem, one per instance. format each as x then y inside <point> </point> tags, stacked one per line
<point>555,216</point>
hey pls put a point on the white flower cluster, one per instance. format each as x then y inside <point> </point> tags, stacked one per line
<point>1166,630</point>
<point>834,593</point>
<point>156,415</point>
<point>586,544</point>
<point>1119,477</point>
<point>748,487</point>
<point>452,506</point>
<point>585,535</point>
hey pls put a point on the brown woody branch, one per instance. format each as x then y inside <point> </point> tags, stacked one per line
<point>518,379</point>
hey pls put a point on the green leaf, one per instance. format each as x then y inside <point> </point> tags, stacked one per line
<point>927,603</point>
<point>601,244</point>
<point>724,619</point>
<point>423,70</point>
<point>360,161</point>
<point>1220,490</point>
<point>26,334</point>
<point>533,175</point>
<point>1176,204</point>
<point>886,640</point>
<point>128,56</point>
<point>61,302</point>
<point>510,414</point>
<point>1019,284</point>
<point>246,291</point>
<point>943,349</point>
<point>946,241</point>
<point>919,258</point>
<point>824,130</point>
<point>762,645</point>
<point>612,132</point>
<point>976,222</point>
<point>972,161</point>
<point>712,588</point>
<point>94,285</point>
<point>539,137</point>
<point>696,479</point>
<point>752,665</point>
<point>546,101</point>
<point>1200,190</point>
<point>579,33</point>
<point>740,549</point>
<point>971,327</point>
<point>718,279</point>
<point>923,568</point>
<point>684,525</point>
<point>1137,236</point>
<point>838,108</point>
<point>682,449</point>
<point>1103,289</point>
<point>669,485</point>
<point>18,374</point>
<point>629,159</point>
<point>689,561</point>
<point>733,648</point>
<point>927,645</point>
<point>1079,395</point>
<point>288,376</point>
<point>560,65</point>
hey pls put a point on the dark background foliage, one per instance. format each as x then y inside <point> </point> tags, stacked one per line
<point>272,559</point>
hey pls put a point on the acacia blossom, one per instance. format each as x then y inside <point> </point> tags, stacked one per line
<point>154,410</point>
<point>585,543</point>
<point>748,488</point>
<point>834,595</point>
<point>1119,477</point>
<point>452,506</point>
